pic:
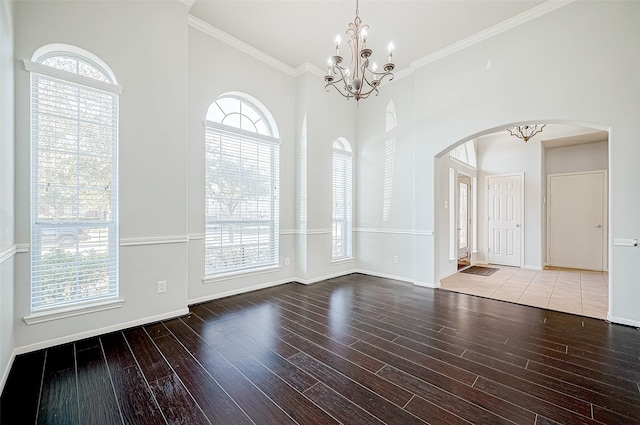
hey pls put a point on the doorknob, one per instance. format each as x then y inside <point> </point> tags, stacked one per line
<point>517,225</point>
<point>598,226</point>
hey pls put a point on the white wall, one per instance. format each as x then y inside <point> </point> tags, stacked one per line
<point>380,237</point>
<point>328,117</point>
<point>216,68</point>
<point>577,158</point>
<point>579,76</point>
<point>7,217</point>
<point>145,45</point>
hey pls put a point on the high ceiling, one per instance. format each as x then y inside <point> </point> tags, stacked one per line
<point>303,31</point>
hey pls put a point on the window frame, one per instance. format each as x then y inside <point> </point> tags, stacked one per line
<point>342,218</point>
<point>79,87</point>
<point>240,135</point>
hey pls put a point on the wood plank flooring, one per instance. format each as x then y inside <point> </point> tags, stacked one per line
<point>350,350</point>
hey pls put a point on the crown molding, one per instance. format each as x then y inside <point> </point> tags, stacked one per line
<point>403,73</point>
<point>307,67</point>
<point>188,3</point>
<point>214,32</point>
<point>529,15</point>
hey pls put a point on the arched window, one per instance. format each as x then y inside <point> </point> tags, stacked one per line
<point>342,200</point>
<point>241,111</point>
<point>391,121</point>
<point>74,180</point>
<point>242,186</point>
<point>465,153</point>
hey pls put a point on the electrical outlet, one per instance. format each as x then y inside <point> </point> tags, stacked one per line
<point>395,260</point>
<point>286,261</point>
<point>162,286</point>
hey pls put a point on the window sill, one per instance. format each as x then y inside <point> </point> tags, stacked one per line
<point>341,260</point>
<point>63,313</point>
<point>240,274</point>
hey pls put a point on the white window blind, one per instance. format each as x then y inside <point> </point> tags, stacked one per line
<point>74,134</point>
<point>342,200</point>
<point>242,200</point>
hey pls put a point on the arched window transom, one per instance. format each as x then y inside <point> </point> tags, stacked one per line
<point>238,112</point>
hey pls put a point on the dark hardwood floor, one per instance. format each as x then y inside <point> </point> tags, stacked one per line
<point>351,350</point>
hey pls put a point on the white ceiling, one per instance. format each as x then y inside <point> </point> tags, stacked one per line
<point>557,135</point>
<point>303,31</point>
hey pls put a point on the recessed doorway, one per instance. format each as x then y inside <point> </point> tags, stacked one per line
<point>512,225</point>
<point>463,222</point>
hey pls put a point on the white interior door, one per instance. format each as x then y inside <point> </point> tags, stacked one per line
<point>505,219</point>
<point>576,220</point>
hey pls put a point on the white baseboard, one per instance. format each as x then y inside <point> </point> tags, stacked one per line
<point>621,321</point>
<point>384,275</point>
<point>100,331</point>
<point>325,277</point>
<point>238,291</point>
<point>388,276</point>
<point>427,284</point>
<point>529,267</point>
<point>5,373</point>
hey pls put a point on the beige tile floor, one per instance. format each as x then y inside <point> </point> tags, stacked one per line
<point>574,291</point>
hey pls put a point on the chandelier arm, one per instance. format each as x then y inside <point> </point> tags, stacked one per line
<point>383,75</point>
<point>340,70</point>
<point>348,95</point>
<point>342,79</point>
<point>538,130</point>
<point>372,88</point>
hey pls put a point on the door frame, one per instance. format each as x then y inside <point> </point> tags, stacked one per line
<point>605,213</point>
<point>469,223</point>
<point>522,213</point>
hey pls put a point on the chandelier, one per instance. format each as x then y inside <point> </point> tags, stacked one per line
<point>360,79</point>
<point>526,132</point>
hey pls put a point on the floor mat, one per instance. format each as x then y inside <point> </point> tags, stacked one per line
<point>482,271</point>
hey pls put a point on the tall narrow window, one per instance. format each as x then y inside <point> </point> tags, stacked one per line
<point>342,208</point>
<point>74,180</point>
<point>389,159</point>
<point>242,186</point>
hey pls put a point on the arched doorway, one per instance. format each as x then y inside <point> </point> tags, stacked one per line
<point>561,149</point>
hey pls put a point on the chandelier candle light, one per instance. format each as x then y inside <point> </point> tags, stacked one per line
<point>526,132</point>
<point>359,80</point>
